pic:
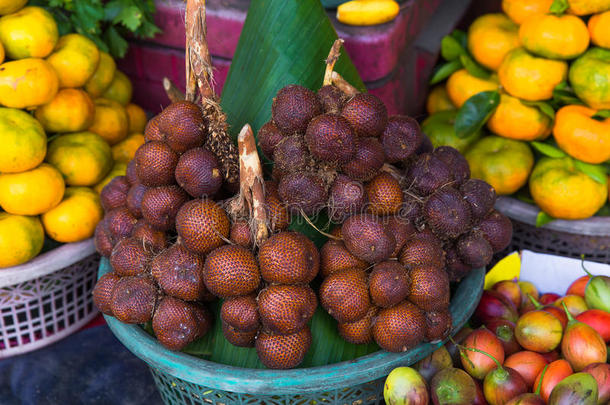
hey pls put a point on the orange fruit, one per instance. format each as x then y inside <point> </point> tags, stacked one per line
<point>515,120</point>
<point>503,163</point>
<point>586,7</point>
<point>21,239</point>
<point>125,150</point>
<point>521,10</point>
<point>461,85</point>
<point>581,136</point>
<point>590,78</point>
<point>491,37</point>
<point>27,83</point>
<point>137,118</point>
<point>599,29</point>
<point>111,121</point>
<point>11,6</point>
<point>23,140</point>
<point>29,33</point>
<point>563,191</point>
<point>120,89</point>
<point>75,217</point>
<point>75,59</point>
<point>529,77</point>
<point>71,110</point>
<point>33,192</point>
<point>555,37</point>
<point>102,77</point>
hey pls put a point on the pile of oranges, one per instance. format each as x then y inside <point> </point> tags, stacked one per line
<point>545,67</point>
<point>66,129</point>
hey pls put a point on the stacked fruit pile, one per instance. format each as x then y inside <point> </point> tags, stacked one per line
<point>531,349</point>
<point>409,213</point>
<point>538,78</point>
<point>75,93</point>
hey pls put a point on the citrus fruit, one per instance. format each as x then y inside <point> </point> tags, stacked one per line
<point>11,6</point>
<point>27,83</point>
<point>461,85</point>
<point>491,37</point>
<point>71,110</point>
<point>111,121</point>
<point>102,77</point>
<point>119,169</point>
<point>515,120</point>
<point>2,55</point>
<point>586,7</point>
<point>521,10</point>
<point>590,78</point>
<point>563,191</point>
<point>23,140</point>
<point>21,239</point>
<point>581,136</point>
<point>439,128</point>
<point>75,59</point>
<point>599,29</point>
<point>137,118</point>
<point>438,100</point>
<point>555,37</point>
<point>120,89</point>
<point>529,77</point>
<point>503,163</point>
<point>32,192</point>
<point>125,150</point>
<point>29,33</point>
<point>83,158</point>
<point>75,217</point>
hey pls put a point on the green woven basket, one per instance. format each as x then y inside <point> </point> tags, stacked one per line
<point>185,379</point>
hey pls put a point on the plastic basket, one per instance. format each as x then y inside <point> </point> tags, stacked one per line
<point>47,298</point>
<point>590,236</point>
<point>185,379</point>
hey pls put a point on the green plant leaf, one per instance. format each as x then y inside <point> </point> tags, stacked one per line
<point>445,70</point>
<point>596,172</point>
<point>548,150</point>
<point>116,43</point>
<point>603,211</point>
<point>559,6</point>
<point>474,68</point>
<point>601,115</point>
<point>451,48</point>
<point>543,218</point>
<point>461,36</point>
<point>564,95</point>
<point>543,106</point>
<point>475,112</point>
<point>130,17</point>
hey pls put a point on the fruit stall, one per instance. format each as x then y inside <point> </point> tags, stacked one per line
<point>304,202</point>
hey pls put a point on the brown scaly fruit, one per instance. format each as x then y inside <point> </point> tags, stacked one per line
<point>102,292</point>
<point>177,323</point>
<point>474,250</point>
<point>130,257</point>
<point>425,147</point>
<point>290,154</point>
<point>198,173</point>
<point>429,288</point>
<point>240,234</point>
<point>160,206</point>
<point>133,299</point>
<point>358,332</point>
<point>367,114</point>
<point>155,164</point>
<point>456,269</point>
<point>283,351</point>
<point>303,191</point>
<point>202,225</point>
<point>151,131</point>
<point>367,161</point>
<point>422,249</point>
<point>103,240</point>
<point>183,125</point>
<point>179,273</point>
<point>134,199</point>
<point>334,257</point>
<point>269,135</point>
<point>330,138</point>
<point>114,194</point>
<point>286,309</point>
<point>427,174</point>
<point>241,313</point>
<point>399,328</point>
<point>277,213</point>
<point>454,160</point>
<point>401,138</point>
<point>237,337</point>
<point>389,284</point>
<point>384,195</point>
<point>230,271</point>
<point>331,98</point>
<point>447,213</point>
<point>346,197</point>
<point>130,173</point>
<point>153,240</point>
<point>119,223</point>
<point>481,197</point>
<point>367,238</point>
<point>293,107</point>
<point>402,229</point>
<point>345,295</point>
<point>497,229</point>
<point>288,258</point>
<point>438,325</point>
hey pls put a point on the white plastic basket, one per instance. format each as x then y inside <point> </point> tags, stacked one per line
<point>48,298</point>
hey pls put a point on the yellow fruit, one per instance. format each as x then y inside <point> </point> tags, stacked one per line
<point>555,37</point>
<point>111,121</point>
<point>491,37</point>
<point>29,33</point>
<point>76,216</point>
<point>102,77</point>
<point>563,191</point>
<point>2,55</point>
<point>71,110</point>
<point>137,118</point>
<point>590,78</point>
<point>599,29</point>
<point>438,100</point>
<point>27,83</point>
<point>440,129</point>
<point>461,85</point>
<point>11,6</point>
<point>24,142</point>
<point>125,150</point>
<point>21,239</point>
<point>119,169</point>
<point>368,12</point>
<point>75,59</point>
<point>586,7</point>
<point>33,192</point>
<point>521,10</point>
<point>83,158</point>
<point>529,77</point>
<point>503,163</point>
<point>581,136</point>
<point>120,89</point>
<point>515,120</point>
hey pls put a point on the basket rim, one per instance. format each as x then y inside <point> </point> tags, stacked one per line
<point>527,213</point>
<point>47,263</point>
<point>278,382</point>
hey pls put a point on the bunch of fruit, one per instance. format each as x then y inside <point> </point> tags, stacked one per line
<point>532,349</point>
<point>65,87</point>
<point>538,77</point>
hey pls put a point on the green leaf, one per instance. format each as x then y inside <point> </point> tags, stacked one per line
<point>543,218</point>
<point>474,68</point>
<point>603,211</point>
<point>461,36</point>
<point>596,172</point>
<point>445,70</point>
<point>116,43</point>
<point>559,6</point>
<point>130,17</point>
<point>451,48</point>
<point>548,150</point>
<point>475,112</point>
<point>543,106</point>
<point>564,95</point>
<point>601,115</point>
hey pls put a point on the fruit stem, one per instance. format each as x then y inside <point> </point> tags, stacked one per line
<point>501,369</point>
<point>343,84</point>
<point>328,235</point>
<point>333,56</point>
<point>173,93</point>
<point>582,264</point>
<point>198,62</point>
<point>539,387</point>
<point>568,314</point>
<point>537,305</point>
